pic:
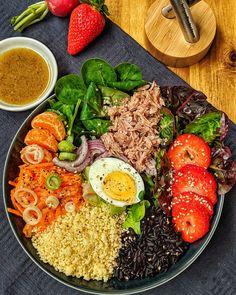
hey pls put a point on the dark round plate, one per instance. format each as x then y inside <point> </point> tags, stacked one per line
<point>95,287</point>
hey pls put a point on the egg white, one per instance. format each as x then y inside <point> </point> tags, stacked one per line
<point>99,170</point>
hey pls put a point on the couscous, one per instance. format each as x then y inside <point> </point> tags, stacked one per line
<point>82,244</point>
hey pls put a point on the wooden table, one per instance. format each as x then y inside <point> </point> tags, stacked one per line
<point>215,75</point>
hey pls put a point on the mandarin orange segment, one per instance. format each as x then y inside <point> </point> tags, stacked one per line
<point>50,121</point>
<point>47,156</point>
<point>43,138</point>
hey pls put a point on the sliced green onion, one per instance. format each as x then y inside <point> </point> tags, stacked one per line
<point>70,138</point>
<point>66,146</point>
<point>64,156</point>
<point>33,14</point>
<point>53,181</point>
<point>52,202</point>
<point>70,207</point>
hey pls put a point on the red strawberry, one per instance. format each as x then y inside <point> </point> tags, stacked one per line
<point>86,23</point>
<point>191,220</point>
<point>189,149</point>
<point>192,178</point>
<point>194,199</point>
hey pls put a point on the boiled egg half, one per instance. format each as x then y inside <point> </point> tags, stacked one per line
<point>115,181</point>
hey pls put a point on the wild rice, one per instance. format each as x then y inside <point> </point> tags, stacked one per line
<point>152,252</point>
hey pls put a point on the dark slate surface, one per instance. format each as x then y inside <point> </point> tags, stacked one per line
<point>214,272</point>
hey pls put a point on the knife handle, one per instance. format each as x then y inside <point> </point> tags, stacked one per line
<point>168,11</point>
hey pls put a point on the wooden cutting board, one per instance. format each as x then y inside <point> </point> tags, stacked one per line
<point>215,75</point>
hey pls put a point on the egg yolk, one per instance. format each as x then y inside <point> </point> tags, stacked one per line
<point>119,186</point>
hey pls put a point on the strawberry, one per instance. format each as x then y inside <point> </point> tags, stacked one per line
<point>86,23</point>
<point>191,220</point>
<point>195,199</point>
<point>189,149</point>
<point>192,178</point>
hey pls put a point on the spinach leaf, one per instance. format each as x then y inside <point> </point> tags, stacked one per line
<point>66,109</point>
<point>52,102</point>
<point>207,127</point>
<point>55,104</point>
<point>135,214</point>
<point>98,71</point>
<point>128,72</point>
<point>126,85</point>
<point>69,112</point>
<point>148,183</point>
<point>92,105</point>
<point>166,126</point>
<point>96,126</point>
<point>112,97</point>
<point>69,89</point>
<point>79,130</point>
<point>72,118</point>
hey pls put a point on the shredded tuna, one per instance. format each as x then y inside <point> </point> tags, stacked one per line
<point>133,134</point>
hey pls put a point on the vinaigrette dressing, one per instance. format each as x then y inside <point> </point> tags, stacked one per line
<point>24,76</point>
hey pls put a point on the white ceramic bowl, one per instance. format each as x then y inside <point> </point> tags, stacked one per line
<point>45,53</point>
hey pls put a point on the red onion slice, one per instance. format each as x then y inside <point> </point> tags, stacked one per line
<point>86,152</point>
<point>64,164</point>
<point>97,149</point>
<point>103,155</point>
<point>96,144</point>
<point>82,152</point>
<point>83,165</point>
<point>95,152</point>
<point>151,168</point>
<point>67,165</point>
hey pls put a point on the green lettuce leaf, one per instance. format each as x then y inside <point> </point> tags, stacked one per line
<point>207,127</point>
<point>135,214</point>
<point>166,126</point>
